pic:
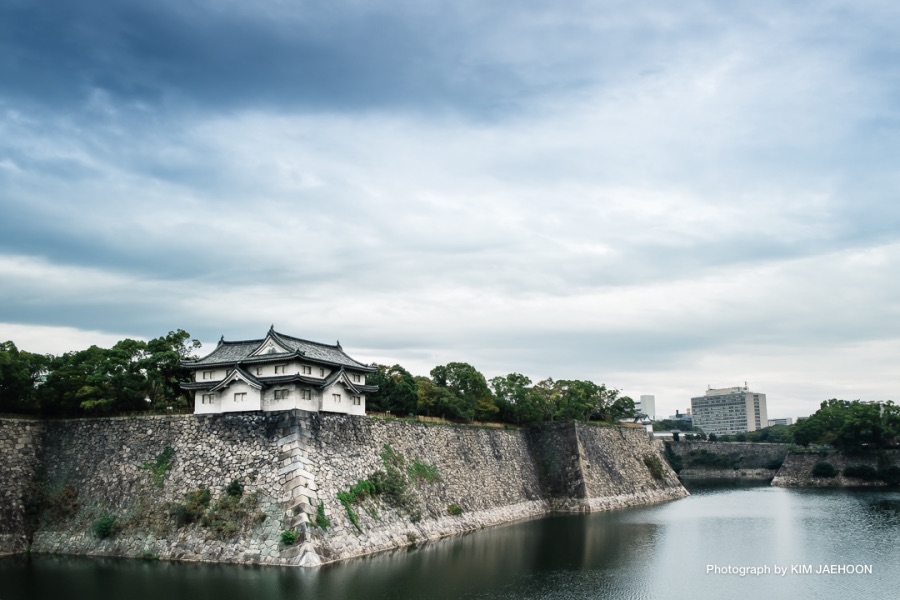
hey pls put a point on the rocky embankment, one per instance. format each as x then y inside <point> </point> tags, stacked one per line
<point>296,488</point>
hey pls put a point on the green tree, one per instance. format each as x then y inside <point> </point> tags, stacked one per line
<point>518,402</point>
<point>164,371</point>
<point>468,396</point>
<point>850,425</point>
<point>21,373</point>
<point>397,390</point>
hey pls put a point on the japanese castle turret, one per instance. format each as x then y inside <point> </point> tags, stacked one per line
<point>278,372</point>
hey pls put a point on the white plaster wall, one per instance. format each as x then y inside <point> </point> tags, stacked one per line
<point>206,409</point>
<point>253,400</point>
<point>346,405</point>
<point>217,374</point>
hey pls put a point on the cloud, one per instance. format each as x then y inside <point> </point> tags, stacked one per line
<point>621,192</point>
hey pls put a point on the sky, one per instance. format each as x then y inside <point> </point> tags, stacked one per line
<point>657,196</point>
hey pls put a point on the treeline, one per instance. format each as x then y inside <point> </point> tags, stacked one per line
<point>132,376</point>
<point>457,391</point>
<point>851,425</point>
<point>135,376</point>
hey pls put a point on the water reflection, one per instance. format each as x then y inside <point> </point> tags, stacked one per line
<point>652,552</point>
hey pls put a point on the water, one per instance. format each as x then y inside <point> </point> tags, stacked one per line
<point>654,552</point>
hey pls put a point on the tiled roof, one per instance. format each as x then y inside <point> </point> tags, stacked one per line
<point>232,352</point>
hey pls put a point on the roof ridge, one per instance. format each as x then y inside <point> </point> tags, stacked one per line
<point>296,339</point>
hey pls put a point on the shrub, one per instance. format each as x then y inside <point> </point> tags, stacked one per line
<point>193,508</point>
<point>823,468</point>
<point>455,510</point>
<point>321,520</point>
<point>104,527</point>
<point>288,538</point>
<point>655,466</point>
<point>235,489</point>
<point>864,472</point>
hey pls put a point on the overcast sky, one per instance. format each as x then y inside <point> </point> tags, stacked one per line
<point>657,196</point>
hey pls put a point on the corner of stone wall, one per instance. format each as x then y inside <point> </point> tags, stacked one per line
<point>21,446</point>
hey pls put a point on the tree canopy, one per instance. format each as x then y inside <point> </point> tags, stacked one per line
<point>133,375</point>
<point>850,425</point>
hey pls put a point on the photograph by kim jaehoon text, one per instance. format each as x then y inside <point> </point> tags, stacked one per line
<point>785,570</point>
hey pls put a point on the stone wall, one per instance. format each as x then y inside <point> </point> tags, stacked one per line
<point>20,448</point>
<point>616,470</point>
<point>746,455</point>
<point>797,469</point>
<point>293,465</point>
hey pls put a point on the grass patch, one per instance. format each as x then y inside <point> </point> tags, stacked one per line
<point>159,468</point>
<point>454,509</point>
<point>423,472</point>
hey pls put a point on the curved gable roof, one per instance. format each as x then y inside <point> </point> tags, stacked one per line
<point>236,352</point>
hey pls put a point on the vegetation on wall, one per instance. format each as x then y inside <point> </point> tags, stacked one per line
<point>104,527</point>
<point>160,466</point>
<point>655,466</point>
<point>391,485</point>
<point>224,517</point>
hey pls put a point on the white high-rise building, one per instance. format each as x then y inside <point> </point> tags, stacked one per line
<point>726,411</point>
<point>646,405</point>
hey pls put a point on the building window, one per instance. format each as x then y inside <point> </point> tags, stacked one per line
<point>207,398</point>
<point>279,369</point>
<point>305,395</point>
<point>282,394</point>
<point>356,378</point>
<point>259,370</point>
<point>208,374</point>
<point>240,396</point>
<point>357,401</point>
<point>321,372</point>
<point>307,370</point>
<point>336,398</point>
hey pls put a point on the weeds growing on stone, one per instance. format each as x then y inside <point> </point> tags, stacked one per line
<point>423,472</point>
<point>160,467</point>
<point>321,520</point>
<point>104,527</point>
<point>455,510</point>
<point>288,538</point>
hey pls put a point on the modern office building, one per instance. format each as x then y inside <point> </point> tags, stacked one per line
<point>785,421</point>
<point>646,405</point>
<point>726,411</point>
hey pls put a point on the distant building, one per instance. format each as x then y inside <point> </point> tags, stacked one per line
<point>278,372</point>
<point>785,421</point>
<point>726,411</point>
<point>647,406</point>
<point>685,419</point>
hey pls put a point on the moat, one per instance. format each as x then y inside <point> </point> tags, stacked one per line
<point>692,548</point>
